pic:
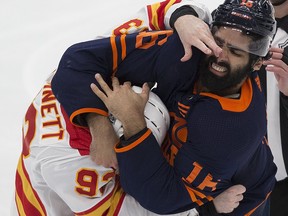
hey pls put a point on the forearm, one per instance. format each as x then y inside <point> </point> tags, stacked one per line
<point>103,140</point>
<point>75,73</point>
<point>189,7</point>
<point>146,175</point>
<point>133,126</point>
<point>80,63</point>
<point>100,126</point>
<point>184,10</point>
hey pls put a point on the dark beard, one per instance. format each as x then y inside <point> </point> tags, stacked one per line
<point>221,85</point>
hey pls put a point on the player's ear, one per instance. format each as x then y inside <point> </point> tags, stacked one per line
<point>257,64</point>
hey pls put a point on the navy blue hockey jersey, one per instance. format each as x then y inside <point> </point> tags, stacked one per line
<point>213,142</point>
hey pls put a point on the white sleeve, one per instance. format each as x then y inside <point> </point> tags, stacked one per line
<point>156,17</point>
<point>202,11</point>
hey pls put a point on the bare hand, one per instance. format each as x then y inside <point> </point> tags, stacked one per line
<point>124,104</point>
<point>103,140</point>
<point>195,32</point>
<point>104,154</point>
<point>277,66</point>
<point>228,200</point>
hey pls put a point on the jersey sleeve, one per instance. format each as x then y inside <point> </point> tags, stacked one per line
<point>156,185</point>
<point>167,187</point>
<point>147,176</point>
<point>153,17</point>
<point>157,17</point>
<point>80,63</point>
<point>219,152</point>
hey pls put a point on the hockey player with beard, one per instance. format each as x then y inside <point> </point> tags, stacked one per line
<point>211,124</point>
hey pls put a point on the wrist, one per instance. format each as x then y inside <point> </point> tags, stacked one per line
<point>181,23</point>
<point>95,120</point>
<point>99,125</point>
<point>125,142</point>
<point>133,127</point>
<point>184,10</point>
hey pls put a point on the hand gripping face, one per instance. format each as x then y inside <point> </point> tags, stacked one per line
<point>156,116</point>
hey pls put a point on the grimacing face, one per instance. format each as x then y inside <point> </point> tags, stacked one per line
<point>231,68</point>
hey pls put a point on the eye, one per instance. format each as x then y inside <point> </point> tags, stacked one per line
<point>236,52</point>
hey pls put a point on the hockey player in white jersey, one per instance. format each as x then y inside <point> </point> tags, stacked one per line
<point>55,174</point>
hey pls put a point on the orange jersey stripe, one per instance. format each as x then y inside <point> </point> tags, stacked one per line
<point>253,210</point>
<point>183,112</point>
<point>183,106</point>
<point>86,110</point>
<point>194,194</point>
<point>123,46</point>
<point>134,144</point>
<point>233,105</point>
<point>114,53</point>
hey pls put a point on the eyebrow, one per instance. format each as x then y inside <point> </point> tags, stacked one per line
<point>222,41</point>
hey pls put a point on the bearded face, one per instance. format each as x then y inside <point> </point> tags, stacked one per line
<point>218,76</point>
<point>226,73</point>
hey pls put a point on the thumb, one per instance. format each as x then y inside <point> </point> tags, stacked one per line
<point>145,91</point>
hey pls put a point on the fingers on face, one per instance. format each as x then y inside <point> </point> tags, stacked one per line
<point>202,46</point>
<point>208,45</point>
<point>210,42</point>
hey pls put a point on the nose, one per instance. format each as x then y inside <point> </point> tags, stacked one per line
<point>223,56</point>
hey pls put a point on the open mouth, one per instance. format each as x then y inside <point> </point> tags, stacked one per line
<point>217,69</point>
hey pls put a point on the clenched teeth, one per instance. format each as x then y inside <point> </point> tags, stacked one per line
<point>218,67</point>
